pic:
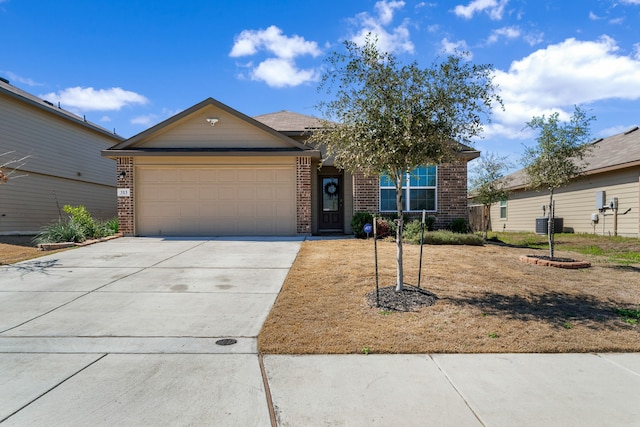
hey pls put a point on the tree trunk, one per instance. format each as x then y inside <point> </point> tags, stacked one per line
<point>400,272</point>
<point>486,215</point>
<point>550,224</point>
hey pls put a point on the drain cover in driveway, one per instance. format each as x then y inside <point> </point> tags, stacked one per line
<point>226,341</point>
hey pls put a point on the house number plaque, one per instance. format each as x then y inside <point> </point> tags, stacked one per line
<point>124,192</point>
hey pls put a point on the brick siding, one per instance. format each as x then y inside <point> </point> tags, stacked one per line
<point>125,204</point>
<point>451,195</point>
<point>366,193</point>
<point>303,195</point>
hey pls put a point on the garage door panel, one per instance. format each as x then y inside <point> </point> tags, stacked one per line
<point>226,175</point>
<point>246,175</point>
<point>215,200</point>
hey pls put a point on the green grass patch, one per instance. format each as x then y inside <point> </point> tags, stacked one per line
<point>617,250</point>
<point>629,315</point>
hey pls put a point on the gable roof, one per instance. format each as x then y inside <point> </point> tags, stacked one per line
<point>130,146</point>
<point>616,152</point>
<point>22,96</point>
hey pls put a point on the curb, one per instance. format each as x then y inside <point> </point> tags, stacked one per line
<point>64,245</point>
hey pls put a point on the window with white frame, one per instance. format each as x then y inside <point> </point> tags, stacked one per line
<point>418,191</point>
<point>503,209</point>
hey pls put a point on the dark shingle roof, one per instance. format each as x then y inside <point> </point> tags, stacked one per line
<point>286,121</point>
<point>615,152</point>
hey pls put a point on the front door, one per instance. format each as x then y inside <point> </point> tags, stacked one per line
<point>331,202</point>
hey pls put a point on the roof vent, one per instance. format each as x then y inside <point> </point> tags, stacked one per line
<point>633,129</point>
<point>4,80</point>
<point>47,102</point>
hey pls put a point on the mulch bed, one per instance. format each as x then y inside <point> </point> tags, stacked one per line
<point>410,298</point>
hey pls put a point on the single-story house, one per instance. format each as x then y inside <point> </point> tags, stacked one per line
<point>588,204</point>
<point>212,170</point>
<point>62,166</point>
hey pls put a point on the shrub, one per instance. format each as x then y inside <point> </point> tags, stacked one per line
<point>61,231</point>
<point>384,228</point>
<point>430,222</point>
<point>91,228</point>
<point>112,225</point>
<point>441,237</point>
<point>412,231</point>
<point>459,225</point>
<point>444,237</point>
<point>81,216</point>
<point>358,221</point>
<point>77,228</point>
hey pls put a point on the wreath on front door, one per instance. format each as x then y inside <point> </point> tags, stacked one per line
<point>331,189</point>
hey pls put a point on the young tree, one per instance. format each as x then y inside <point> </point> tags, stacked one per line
<point>558,157</point>
<point>388,118</point>
<point>489,184</point>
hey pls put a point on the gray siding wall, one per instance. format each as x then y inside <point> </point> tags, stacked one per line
<point>575,203</point>
<point>28,203</point>
<point>63,157</point>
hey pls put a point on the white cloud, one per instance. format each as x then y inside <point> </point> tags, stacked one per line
<point>13,77</point>
<point>280,70</point>
<point>494,8</point>
<point>514,32</point>
<point>504,32</point>
<point>145,120</point>
<point>459,47</point>
<point>105,119</point>
<point>386,9</point>
<point>90,99</point>
<point>560,76</point>
<point>249,42</point>
<point>631,1</point>
<point>395,39</point>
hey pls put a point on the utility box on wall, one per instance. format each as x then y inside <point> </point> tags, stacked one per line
<point>601,200</point>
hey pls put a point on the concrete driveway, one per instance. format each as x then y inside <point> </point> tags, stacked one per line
<point>127,332</point>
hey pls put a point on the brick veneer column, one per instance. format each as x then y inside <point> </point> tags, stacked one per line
<point>125,204</point>
<point>452,193</point>
<point>303,195</point>
<point>366,193</point>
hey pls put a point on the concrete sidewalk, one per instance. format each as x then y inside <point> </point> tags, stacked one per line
<point>128,332</point>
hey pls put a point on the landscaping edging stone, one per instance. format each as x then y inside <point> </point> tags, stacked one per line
<point>531,259</point>
<point>63,245</point>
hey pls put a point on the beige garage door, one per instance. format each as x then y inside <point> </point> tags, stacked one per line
<point>215,201</point>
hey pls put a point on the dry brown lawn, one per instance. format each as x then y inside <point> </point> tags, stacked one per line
<point>19,248</point>
<point>488,301</point>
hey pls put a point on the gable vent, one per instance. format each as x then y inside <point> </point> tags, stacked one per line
<point>633,129</point>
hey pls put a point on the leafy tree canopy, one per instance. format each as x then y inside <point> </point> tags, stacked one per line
<point>559,155</point>
<point>387,118</point>
<point>488,182</point>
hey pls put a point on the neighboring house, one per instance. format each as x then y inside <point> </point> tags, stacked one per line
<point>64,165</point>
<point>612,172</point>
<point>211,170</point>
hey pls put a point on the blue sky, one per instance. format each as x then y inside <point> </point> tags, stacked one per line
<point>129,64</point>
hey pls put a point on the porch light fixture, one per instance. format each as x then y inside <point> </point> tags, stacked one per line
<point>212,120</point>
<point>122,175</point>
